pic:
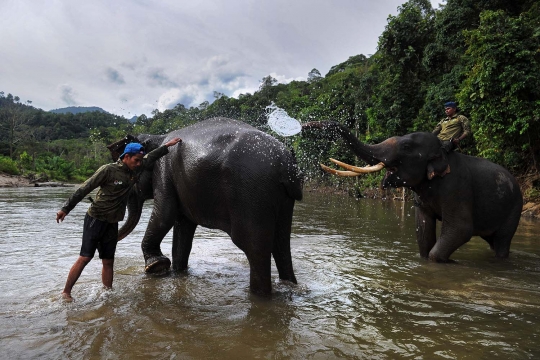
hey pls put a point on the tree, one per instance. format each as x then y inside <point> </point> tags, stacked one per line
<point>218,95</point>
<point>400,92</point>
<point>143,120</point>
<point>267,81</point>
<point>314,75</point>
<point>501,90</point>
<point>12,117</point>
<point>204,105</point>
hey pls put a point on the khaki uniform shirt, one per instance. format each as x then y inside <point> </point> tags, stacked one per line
<point>115,181</point>
<point>451,128</point>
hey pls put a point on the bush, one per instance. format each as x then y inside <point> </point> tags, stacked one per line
<point>56,167</point>
<point>8,166</point>
<point>25,161</point>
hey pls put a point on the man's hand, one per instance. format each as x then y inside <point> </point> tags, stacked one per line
<point>456,141</point>
<point>60,215</point>
<point>173,142</point>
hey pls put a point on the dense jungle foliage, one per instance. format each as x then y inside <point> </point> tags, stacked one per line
<point>484,54</point>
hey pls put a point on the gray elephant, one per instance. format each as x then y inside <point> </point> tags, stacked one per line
<point>471,196</point>
<point>224,175</point>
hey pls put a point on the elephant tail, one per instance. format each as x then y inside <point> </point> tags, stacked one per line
<point>293,178</point>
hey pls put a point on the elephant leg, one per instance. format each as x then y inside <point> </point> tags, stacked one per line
<point>506,233</point>
<point>282,245</point>
<point>161,221</point>
<point>425,231</point>
<point>260,281</point>
<point>501,242</point>
<point>501,239</point>
<point>256,242</point>
<point>454,234</point>
<point>183,233</point>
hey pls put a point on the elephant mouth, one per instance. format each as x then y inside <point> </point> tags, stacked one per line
<point>352,170</point>
<point>388,180</point>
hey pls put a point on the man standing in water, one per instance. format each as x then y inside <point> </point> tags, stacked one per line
<point>453,128</point>
<point>101,222</point>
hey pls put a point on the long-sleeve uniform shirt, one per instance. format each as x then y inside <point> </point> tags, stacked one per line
<point>452,128</point>
<point>115,181</point>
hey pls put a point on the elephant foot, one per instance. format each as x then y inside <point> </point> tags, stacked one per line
<point>157,264</point>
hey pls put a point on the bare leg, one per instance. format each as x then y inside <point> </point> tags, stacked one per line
<point>107,272</point>
<point>73,276</point>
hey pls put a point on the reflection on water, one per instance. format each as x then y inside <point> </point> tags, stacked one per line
<point>363,291</point>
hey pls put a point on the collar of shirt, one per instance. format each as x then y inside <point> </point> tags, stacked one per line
<point>123,166</point>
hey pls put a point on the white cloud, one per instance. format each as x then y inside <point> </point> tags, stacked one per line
<point>130,57</point>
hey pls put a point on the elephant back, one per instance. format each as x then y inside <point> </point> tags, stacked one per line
<point>224,145</point>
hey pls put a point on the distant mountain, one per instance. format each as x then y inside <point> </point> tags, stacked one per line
<point>83,109</point>
<point>78,109</point>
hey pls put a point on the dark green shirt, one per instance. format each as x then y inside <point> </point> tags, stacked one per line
<point>452,128</point>
<point>115,180</point>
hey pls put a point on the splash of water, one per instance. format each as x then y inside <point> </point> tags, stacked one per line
<point>280,122</point>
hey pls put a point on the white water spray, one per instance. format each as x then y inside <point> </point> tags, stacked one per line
<point>280,122</point>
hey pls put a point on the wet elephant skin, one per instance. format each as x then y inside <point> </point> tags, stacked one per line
<point>224,175</point>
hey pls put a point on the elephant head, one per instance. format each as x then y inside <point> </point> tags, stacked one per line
<point>143,190</point>
<point>409,160</point>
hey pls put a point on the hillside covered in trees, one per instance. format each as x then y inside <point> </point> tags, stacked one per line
<point>484,54</point>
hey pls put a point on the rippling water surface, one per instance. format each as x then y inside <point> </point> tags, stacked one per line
<point>363,291</point>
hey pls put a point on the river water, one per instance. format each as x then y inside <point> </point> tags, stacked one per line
<point>363,292</point>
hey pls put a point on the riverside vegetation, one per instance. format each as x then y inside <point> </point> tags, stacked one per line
<point>483,54</point>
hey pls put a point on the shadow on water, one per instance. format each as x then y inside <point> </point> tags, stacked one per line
<point>363,291</point>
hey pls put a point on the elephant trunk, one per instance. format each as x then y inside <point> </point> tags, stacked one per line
<point>134,206</point>
<point>368,153</point>
<point>374,155</point>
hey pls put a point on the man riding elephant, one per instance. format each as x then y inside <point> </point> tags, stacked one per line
<point>453,128</point>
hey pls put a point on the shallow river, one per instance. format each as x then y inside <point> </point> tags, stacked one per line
<point>363,292</point>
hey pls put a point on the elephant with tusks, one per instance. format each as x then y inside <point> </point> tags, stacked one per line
<point>471,196</point>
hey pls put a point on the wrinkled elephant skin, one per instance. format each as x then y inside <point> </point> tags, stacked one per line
<point>224,175</point>
<point>471,196</point>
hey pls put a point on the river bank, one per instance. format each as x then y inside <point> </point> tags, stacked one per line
<point>9,181</point>
<point>531,208</point>
<point>14,181</point>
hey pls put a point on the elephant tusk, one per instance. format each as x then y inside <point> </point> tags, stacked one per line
<point>360,170</point>
<point>338,172</point>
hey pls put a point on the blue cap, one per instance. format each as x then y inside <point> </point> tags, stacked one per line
<point>132,149</point>
<point>450,104</point>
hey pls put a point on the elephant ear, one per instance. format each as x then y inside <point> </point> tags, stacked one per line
<point>438,165</point>
<point>117,148</point>
<point>151,142</point>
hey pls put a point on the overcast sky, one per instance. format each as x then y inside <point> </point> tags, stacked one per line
<point>131,57</point>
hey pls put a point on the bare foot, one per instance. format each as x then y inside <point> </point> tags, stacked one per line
<point>67,297</point>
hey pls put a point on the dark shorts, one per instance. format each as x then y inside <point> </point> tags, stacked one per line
<point>99,235</point>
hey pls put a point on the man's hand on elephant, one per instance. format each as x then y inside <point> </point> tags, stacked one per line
<point>60,216</point>
<point>456,141</point>
<point>173,142</point>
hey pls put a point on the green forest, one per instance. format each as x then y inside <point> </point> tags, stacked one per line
<point>484,54</point>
